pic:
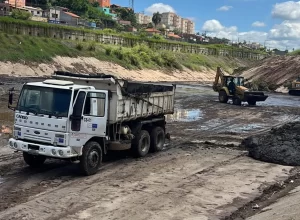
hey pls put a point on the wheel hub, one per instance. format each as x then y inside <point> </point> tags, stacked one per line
<point>93,158</point>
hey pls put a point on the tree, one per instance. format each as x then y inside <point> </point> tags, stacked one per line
<point>177,31</point>
<point>19,14</point>
<point>127,15</point>
<point>150,25</point>
<point>156,19</point>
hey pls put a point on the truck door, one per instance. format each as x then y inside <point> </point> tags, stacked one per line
<point>90,112</point>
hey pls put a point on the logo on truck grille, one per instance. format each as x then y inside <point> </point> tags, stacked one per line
<point>37,132</point>
<point>22,117</point>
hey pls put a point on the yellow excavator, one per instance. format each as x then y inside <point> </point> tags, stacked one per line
<point>295,90</point>
<point>232,87</point>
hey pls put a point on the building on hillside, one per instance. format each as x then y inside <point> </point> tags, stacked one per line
<point>63,16</point>
<point>143,19</point>
<point>184,26</point>
<point>17,3</point>
<point>107,11</point>
<point>174,21</point>
<point>4,9</point>
<point>102,3</point>
<point>190,27</point>
<point>152,31</point>
<point>37,12</point>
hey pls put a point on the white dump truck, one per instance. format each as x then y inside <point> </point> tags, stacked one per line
<point>81,117</point>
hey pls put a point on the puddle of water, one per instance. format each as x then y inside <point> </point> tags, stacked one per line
<point>185,115</point>
<point>281,100</point>
<point>246,128</point>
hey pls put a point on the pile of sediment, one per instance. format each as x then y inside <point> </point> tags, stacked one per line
<point>280,145</point>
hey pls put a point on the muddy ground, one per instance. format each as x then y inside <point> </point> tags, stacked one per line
<point>202,173</point>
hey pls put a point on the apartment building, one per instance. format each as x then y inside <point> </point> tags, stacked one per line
<point>143,19</point>
<point>190,27</point>
<point>17,3</point>
<point>102,3</point>
<point>174,21</point>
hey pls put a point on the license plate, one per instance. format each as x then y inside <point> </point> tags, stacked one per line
<point>33,152</point>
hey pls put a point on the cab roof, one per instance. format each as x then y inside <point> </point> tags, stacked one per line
<point>57,85</point>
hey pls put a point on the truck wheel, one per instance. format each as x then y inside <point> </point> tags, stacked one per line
<point>91,158</point>
<point>33,160</point>
<point>251,102</point>
<point>141,145</point>
<point>236,101</point>
<point>157,139</point>
<point>223,98</point>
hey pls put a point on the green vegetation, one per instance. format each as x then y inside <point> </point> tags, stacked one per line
<point>17,47</point>
<point>19,14</point>
<point>36,49</point>
<point>295,53</point>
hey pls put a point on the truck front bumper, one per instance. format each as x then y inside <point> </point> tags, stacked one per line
<point>43,150</point>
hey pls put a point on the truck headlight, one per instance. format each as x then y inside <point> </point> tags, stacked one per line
<point>61,153</point>
<point>15,145</point>
<point>11,144</point>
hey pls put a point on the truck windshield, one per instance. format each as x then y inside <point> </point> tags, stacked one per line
<point>43,100</point>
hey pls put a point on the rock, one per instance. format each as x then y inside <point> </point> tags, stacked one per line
<point>281,145</point>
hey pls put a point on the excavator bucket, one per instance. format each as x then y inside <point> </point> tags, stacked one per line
<point>295,92</point>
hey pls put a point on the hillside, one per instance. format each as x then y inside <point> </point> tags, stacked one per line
<point>27,55</point>
<point>275,71</point>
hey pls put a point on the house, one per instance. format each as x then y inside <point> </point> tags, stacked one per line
<point>17,3</point>
<point>4,9</point>
<point>63,16</point>
<point>107,11</point>
<point>152,31</point>
<point>37,12</point>
<point>121,22</point>
<point>173,36</point>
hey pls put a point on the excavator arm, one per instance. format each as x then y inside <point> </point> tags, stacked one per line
<point>219,76</point>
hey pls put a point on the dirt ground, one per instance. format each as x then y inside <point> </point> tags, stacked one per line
<point>202,174</point>
<point>93,65</point>
<point>276,70</point>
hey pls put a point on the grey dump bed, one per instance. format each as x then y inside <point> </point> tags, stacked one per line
<point>129,100</point>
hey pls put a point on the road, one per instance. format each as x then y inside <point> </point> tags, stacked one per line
<point>201,174</point>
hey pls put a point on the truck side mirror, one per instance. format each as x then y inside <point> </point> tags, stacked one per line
<point>11,98</point>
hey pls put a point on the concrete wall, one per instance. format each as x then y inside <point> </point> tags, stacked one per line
<point>60,33</point>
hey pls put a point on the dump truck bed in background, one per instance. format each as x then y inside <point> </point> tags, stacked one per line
<point>129,100</point>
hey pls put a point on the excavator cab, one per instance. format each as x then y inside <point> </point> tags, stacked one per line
<point>295,90</point>
<point>233,87</point>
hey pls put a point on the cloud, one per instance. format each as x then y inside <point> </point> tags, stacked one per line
<point>289,10</point>
<point>216,26</point>
<point>258,24</point>
<point>159,7</point>
<point>225,8</point>
<point>281,36</point>
<point>287,30</point>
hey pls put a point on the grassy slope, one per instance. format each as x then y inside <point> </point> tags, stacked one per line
<point>35,49</point>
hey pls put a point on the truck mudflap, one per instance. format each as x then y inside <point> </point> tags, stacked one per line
<point>255,96</point>
<point>295,92</point>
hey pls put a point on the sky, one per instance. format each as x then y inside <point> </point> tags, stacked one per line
<point>273,23</point>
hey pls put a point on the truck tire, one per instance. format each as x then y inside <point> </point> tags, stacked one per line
<point>236,101</point>
<point>91,158</point>
<point>252,102</point>
<point>223,98</point>
<point>141,144</point>
<point>157,139</point>
<point>33,160</point>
